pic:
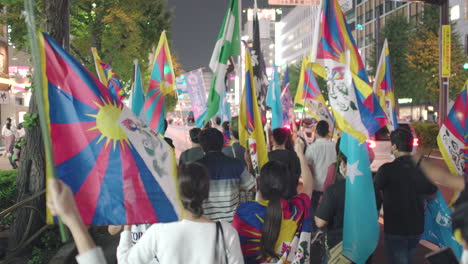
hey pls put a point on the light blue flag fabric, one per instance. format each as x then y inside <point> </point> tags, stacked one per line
<point>224,111</point>
<point>274,100</point>
<point>138,97</point>
<point>361,226</point>
<point>286,100</point>
<point>438,225</point>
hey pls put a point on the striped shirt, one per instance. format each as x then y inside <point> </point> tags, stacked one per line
<point>227,176</point>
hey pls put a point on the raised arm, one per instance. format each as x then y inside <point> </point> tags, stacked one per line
<point>61,203</point>
<point>438,175</point>
<point>307,180</point>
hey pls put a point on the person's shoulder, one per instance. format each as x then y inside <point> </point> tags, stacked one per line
<point>250,207</point>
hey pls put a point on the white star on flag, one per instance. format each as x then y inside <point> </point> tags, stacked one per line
<point>352,171</point>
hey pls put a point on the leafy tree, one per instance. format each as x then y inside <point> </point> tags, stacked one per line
<point>122,30</point>
<point>423,58</point>
<point>397,31</point>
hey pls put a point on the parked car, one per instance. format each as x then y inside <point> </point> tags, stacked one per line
<point>380,144</point>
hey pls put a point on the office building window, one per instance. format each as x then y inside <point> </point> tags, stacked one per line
<point>388,6</point>
<point>466,9</point>
<point>19,100</point>
<point>369,15</point>
<point>381,9</point>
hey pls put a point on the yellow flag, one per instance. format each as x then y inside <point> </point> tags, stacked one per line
<point>251,134</point>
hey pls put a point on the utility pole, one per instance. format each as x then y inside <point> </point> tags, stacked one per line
<point>443,81</point>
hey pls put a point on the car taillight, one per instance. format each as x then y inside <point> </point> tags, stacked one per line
<point>371,143</point>
<point>415,142</point>
<point>287,126</point>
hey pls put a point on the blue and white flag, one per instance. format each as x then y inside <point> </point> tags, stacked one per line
<point>224,111</point>
<point>438,225</point>
<point>196,90</point>
<point>273,100</point>
<point>361,227</point>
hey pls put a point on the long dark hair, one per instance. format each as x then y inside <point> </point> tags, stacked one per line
<point>8,123</point>
<point>194,187</point>
<point>273,185</point>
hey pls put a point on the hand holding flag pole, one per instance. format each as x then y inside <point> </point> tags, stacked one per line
<point>38,83</point>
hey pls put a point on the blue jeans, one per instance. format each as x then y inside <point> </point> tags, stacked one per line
<point>401,249</point>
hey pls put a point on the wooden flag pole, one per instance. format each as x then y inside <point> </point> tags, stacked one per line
<point>38,91</point>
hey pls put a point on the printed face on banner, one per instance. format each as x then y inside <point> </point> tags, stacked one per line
<point>454,148</point>
<point>253,155</point>
<point>339,90</point>
<point>342,94</point>
<point>155,152</point>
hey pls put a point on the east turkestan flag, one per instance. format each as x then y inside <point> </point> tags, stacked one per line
<point>227,45</point>
<point>258,64</point>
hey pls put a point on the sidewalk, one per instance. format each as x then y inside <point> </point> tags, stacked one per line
<point>4,163</point>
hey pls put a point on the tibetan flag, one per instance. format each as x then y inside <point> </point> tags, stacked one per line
<point>111,180</point>
<point>274,100</point>
<point>355,106</point>
<point>310,96</point>
<point>251,134</point>
<point>227,45</point>
<point>453,136</point>
<point>384,87</point>
<point>162,82</point>
<point>108,77</point>
<point>138,97</point>
<point>361,226</point>
<point>286,100</point>
<point>359,115</point>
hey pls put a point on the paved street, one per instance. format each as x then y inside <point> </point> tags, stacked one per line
<point>180,136</point>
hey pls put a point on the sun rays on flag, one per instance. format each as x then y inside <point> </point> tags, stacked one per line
<point>107,123</point>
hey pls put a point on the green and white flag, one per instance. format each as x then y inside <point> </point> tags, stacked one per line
<point>227,45</point>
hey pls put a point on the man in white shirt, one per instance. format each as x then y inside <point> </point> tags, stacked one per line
<point>320,155</point>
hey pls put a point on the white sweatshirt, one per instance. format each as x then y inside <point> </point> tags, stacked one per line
<point>183,242</point>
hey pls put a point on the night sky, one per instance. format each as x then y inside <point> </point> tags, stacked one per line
<point>195,27</point>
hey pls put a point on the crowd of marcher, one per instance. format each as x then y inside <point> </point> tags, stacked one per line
<point>299,195</point>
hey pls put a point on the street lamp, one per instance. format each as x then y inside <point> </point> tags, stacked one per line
<point>443,81</point>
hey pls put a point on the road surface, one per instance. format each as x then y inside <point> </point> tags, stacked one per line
<point>180,137</point>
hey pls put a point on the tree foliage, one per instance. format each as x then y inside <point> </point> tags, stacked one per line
<point>414,54</point>
<point>397,31</point>
<point>121,30</point>
<point>423,58</point>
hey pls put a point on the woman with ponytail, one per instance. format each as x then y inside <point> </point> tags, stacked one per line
<point>274,228</point>
<point>194,239</point>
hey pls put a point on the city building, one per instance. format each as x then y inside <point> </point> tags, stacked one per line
<point>371,16</point>
<point>294,32</point>
<point>459,15</point>
<point>14,78</point>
